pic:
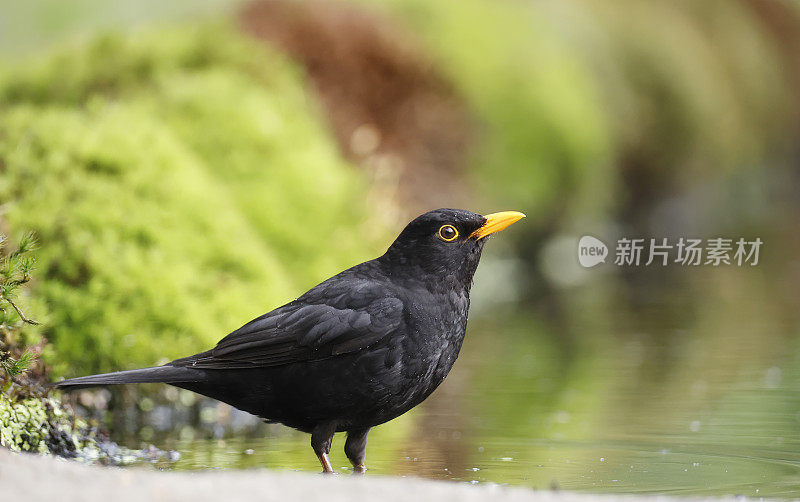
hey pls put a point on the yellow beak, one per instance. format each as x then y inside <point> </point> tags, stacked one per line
<point>496,222</point>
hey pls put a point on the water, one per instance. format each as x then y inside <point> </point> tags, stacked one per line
<point>691,386</point>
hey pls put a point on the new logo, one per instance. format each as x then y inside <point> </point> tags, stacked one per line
<point>591,251</point>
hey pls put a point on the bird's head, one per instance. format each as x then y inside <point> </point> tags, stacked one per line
<point>444,246</point>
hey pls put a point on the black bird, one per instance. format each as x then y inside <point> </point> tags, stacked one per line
<point>356,351</point>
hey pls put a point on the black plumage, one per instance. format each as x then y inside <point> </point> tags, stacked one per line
<point>355,351</point>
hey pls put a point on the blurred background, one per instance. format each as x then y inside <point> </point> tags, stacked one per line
<point>188,166</point>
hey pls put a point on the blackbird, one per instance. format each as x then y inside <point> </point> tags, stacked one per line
<point>356,351</point>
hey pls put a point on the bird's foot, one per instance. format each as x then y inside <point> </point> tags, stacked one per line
<point>359,469</point>
<point>326,463</point>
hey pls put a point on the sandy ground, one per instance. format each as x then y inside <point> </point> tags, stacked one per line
<point>34,478</point>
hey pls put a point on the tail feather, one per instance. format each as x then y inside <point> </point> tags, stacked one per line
<point>157,374</point>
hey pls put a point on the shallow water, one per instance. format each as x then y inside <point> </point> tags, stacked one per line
<point>689,388</point>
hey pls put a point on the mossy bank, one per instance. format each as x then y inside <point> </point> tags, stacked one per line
<point>44,425</point>
<point>180,182</point>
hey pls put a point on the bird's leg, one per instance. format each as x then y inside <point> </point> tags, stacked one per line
<point>321,439</point>
<point>356,449</point>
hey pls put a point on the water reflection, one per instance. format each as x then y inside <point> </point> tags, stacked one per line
<point>691,387</point>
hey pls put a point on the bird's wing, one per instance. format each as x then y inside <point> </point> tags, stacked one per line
<point>330,322</point>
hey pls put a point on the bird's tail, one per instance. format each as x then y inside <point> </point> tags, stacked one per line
<point>157,374</point>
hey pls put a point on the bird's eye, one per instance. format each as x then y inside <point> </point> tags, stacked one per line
<point>448,233</point>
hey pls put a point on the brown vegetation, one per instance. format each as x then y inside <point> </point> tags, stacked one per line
<point>388,107</point>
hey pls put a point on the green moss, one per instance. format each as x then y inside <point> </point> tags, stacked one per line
<point>41,425</point>
<point>22,425</point>
<point>38,424</point>
<point>180,183</point>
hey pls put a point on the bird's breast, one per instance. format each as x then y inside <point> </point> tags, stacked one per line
<point>436,331</point>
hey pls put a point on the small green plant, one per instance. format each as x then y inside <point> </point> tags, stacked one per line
<point>15,272</point>
<point>15,367</point>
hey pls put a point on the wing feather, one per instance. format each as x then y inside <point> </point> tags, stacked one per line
<point>309,328</point>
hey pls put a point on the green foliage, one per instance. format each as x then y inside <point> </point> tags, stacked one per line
<point>15,367</point>
<point>588,104</point>
<point>545,136</point>
<point>180,183</point>
<point>15,272</point>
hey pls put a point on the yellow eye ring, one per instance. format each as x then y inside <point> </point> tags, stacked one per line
<point>448,233</point>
